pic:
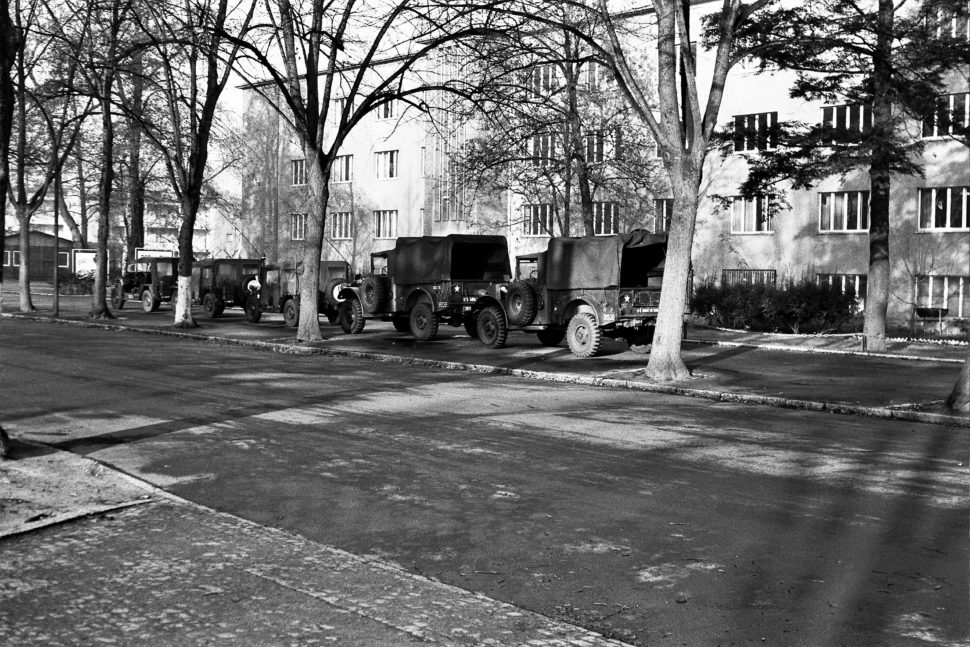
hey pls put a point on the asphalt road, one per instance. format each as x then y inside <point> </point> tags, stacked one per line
<point>653,519</point>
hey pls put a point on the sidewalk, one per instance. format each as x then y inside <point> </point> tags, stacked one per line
<point>138,566</point>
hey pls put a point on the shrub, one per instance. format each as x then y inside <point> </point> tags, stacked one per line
<point>797,308</point>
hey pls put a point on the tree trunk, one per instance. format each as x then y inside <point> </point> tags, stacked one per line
<point>23,219</point>
<point>11,42</point>
<point>99,308</point>
<point>309,327</point>
<point>82,191</point>
<point>183,298</point>
<point>877,290</point>
<point>666,363</point>
<point>71,223</point>
<point>136,184</point>
<point>959,399</point>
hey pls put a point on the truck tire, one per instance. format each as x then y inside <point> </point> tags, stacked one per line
<point>117,297</point>
<point>551,336</point>
<point>583,335</point>
<point>253,312</point>
<point>210,306</point>
<point>521,304</point>
<point>291,313</point>
<point>149,303</point>
<point>492,329</point>
<point>351,317</point>
<point>424,322</point>
<point>375,291</point>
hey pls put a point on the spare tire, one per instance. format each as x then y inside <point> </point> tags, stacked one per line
<point>521,304</point>
<point>375,292</point>
<point>330,299</point>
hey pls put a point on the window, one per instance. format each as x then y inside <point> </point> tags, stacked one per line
<point>387,110</point>
<point>537,219</point>
<point>855,119</point>
<point>944,208</point>
<point>544,79</point>
<point>749,277</point>
<point>424,162</point>
<point>595,147</point>
<point>298,168</point>
<point>337,107</point>
<point>446,208</point>
<point>950,23</point>
<point>756,132</point>
<point>751,216</point>
<point>15,258</point>
<point>385,224</point>
<point>385,163</point>
<point>663,208</point>
<point>343,169</point>
<point>855,284</point>
<point>606,218</point>
<point>340,226</point>
<point>950,116</point>
<point>543,149</point>
<point>590,76</point>
<point>297,226</point>
<point>950,292</point>
<point>843,211</point>
<point>6,257</point>
<point>63,259</point>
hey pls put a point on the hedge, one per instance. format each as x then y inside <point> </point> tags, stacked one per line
<point>796,308</point>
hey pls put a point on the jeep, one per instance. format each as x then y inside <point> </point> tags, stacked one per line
<point>425,281</point>
<point>151,280</point>
<point>581,289</point>
<point>220,283</point>
<point>280,289</point>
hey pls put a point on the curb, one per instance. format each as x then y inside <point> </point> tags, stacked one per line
<point>569,378</point>
<point>823,351</point>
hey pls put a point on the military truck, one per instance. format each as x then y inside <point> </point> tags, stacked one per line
<point>151,280</point>
<point>581,289</point>
<point>426,281</point>
<point>279,289</point>
<point>220,283</point>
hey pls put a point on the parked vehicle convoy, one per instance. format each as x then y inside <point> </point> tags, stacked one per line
<point>220,283</point>
<point>151,280</point>
<point>581,289</point>
<point>425,281</point>
<point>279,289</point>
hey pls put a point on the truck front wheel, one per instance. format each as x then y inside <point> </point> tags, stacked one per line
<point>351,317</point>
<point>253,312</point>
<point>424,322</point>
<point>148,301</point>
<point>492,329</point>
<point>583,335</point>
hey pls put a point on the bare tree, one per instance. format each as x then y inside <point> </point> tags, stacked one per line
<point>196,46</point>
<point>46,112</point>
<point>341,60</point>
<point>671,107</point>
<point>11,44</point>
<point>552,125</point>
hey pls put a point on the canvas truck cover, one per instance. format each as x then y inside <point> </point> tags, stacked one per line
<point>458,257</point>
<point>597,261</point>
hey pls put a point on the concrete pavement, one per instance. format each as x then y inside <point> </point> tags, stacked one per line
<point>136,565</point>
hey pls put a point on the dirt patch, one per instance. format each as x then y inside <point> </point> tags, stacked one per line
<point>39,486</point>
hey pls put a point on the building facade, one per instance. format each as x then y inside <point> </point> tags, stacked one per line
<point>394,177</point>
